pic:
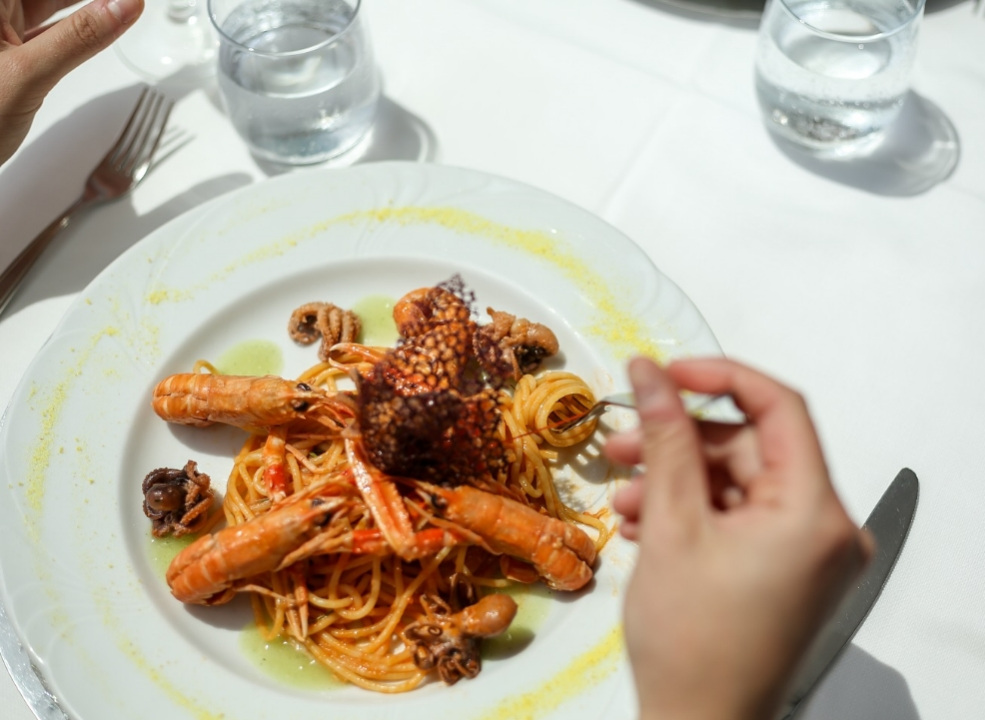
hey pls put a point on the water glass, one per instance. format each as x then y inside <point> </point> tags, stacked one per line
<point>832,75</point>
<point>297,77</point>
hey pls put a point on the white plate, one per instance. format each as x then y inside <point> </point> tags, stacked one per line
<point>91,610</point>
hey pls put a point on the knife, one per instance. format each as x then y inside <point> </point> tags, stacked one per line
<point>889,524</point>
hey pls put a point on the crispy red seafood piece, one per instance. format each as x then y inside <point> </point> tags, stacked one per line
<point>426,410</point>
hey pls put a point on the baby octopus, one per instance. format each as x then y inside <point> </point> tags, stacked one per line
<point>516,343</point>
<point>177,501</point>
<point>326,321</point>
<point>449,641</point>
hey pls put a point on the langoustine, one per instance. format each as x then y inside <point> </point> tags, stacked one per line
<point>246,402</point>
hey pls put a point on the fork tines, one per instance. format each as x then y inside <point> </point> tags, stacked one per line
<point>140,137</point>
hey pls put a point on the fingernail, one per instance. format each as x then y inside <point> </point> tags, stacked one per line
<point>126,11</point>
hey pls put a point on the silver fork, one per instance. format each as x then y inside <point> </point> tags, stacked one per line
<point>697,406</point>
<point>117,173</point>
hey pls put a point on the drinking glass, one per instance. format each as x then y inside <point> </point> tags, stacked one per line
<point>170,37</point>
<point>297,77</point>
<point>832,75</point>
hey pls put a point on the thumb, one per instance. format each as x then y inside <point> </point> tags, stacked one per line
<point>63,46</point>
<point>671,448</point>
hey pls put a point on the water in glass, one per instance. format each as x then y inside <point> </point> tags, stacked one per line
<point>300,83</point>
<point>832,77</point>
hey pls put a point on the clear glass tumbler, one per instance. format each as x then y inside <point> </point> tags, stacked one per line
<point>832,75</point>
<point>297,77</point>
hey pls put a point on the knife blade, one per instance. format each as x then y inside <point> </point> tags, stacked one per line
<point>889,524</point>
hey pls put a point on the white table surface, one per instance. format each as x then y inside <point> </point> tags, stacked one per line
<point>863,284</point>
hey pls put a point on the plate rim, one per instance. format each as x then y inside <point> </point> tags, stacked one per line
<point>31,683</point>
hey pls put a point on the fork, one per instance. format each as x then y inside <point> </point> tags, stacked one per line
<point>695,409</point>
<point>117,173</point>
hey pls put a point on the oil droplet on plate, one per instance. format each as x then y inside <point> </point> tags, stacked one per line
<point>376,315</point>
<point>163,549</point>
<point>533,604</point>
<point>252,357</point>
<point>281,660</point>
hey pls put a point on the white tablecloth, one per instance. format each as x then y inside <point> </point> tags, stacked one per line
<point>862,285</point>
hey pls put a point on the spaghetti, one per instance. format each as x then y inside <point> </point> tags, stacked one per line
<point>386,614</point>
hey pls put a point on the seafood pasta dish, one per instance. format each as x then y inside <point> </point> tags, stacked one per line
<point>385,498</point>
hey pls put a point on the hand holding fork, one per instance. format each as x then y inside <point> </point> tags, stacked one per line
<point>118,172</point>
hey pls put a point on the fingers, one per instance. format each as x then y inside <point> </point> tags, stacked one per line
<point>841,552</point>
<point>627,502</point>
<point>732,451</point>
<point>625,448</point>
<point>670,446</point>
<point>785,433</point>
<point>731,462</point>
<point>48,56</point>
<point>691,467</point>
<point>38,11</point>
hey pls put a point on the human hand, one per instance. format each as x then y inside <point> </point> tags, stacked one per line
<point>744,547</point>
<point>33,59</point>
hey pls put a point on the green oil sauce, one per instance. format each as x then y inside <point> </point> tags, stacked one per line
<point>281,660</point>
<point>533,606</point>
<point>163,550</point>
<point>252,357</point>
<point>376,315</point>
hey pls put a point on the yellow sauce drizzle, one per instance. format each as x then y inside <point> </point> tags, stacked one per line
<point>585,671</point>
<point>50,412</point>
<point>624,333</point>
<point>154,675</point>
